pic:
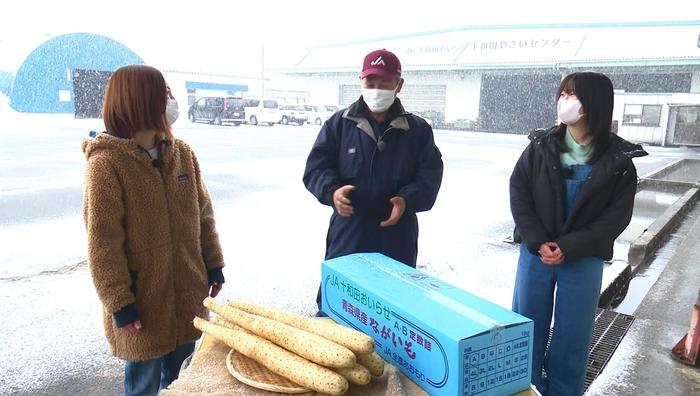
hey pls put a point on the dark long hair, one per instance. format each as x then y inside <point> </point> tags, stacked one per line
<point>595,92</point>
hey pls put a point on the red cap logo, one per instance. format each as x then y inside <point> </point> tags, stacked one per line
<point>381,63</point>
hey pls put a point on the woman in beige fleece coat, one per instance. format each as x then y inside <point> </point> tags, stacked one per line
<point>153,249</point>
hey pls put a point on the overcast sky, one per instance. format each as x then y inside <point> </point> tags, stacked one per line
<point>196,33</point>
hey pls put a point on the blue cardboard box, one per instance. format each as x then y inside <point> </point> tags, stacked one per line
<point>447,340</point>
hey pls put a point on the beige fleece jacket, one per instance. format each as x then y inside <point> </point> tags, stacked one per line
<point>151,240</point>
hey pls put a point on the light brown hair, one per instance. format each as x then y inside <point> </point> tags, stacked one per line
<point>135,101</point>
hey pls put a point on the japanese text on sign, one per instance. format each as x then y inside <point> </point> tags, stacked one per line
<point>489,45</point>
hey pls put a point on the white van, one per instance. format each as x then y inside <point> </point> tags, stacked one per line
<point>320,114</point>
<point>259,111</point>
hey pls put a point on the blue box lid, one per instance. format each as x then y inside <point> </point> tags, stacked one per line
<point>443,306</point>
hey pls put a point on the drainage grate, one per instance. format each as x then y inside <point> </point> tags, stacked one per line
<point>609,329</point>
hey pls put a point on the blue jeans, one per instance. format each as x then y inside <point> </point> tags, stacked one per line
<point>146,378</point>
<point>575,285</point>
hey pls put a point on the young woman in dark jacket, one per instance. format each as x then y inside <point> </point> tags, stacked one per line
<point>571,194</point>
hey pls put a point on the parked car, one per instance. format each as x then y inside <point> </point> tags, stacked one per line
<point>320,114</point>
<point>464,124</point>
<point>434,118</point>
<point>425,117</point>
<point>261,111</point>
<point>298,114</point>
<point>217,110</point>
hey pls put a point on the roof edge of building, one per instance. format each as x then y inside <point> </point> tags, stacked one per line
<point>575,25</point>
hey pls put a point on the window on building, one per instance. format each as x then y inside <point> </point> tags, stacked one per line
<point>642,115</point>
<point>687,129</point>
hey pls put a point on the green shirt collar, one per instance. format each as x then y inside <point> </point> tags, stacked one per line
<point>578,154</point>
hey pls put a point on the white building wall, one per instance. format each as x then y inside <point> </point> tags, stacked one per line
<point>177,81</point>
<point>286,89</point>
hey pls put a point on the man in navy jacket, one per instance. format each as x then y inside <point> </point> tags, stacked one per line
<point>377,166</point>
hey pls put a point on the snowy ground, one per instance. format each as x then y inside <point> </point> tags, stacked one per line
<point>272,232</point>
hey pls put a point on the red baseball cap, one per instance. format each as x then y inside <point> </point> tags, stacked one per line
<point>381,63</point>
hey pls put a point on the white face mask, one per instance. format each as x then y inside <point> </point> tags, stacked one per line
<point>568,110</point>
<point>378,100</point>
<point>172,111</point>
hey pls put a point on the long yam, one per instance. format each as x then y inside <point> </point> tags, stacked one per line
<point>373,362</point>
<point>277,359</point>
<point>354,340</point>
<point>357,374</point>
<point>310,346</point>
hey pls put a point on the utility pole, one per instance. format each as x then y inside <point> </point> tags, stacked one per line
<point>262,72</point>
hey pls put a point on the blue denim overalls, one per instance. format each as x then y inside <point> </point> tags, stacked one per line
<point>578,285</point>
